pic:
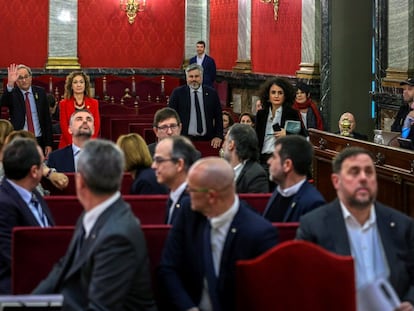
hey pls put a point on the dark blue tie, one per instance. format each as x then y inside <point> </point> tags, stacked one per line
<point>42,216</point>
<point>168,219</point>
<point>198,114</point>
<point>209,268</point>
<point>79,241</point>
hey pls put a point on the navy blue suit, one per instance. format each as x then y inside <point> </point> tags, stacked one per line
<point>15,101</point>
<point>62,160</point>
<point>326,227</point>
<point>182,271</point>
<point>145,182</point>
<point>209,69</point>
<point>184,201</point>
<point>14,212</point>
<point>305,200</point>
<point>180,101</point>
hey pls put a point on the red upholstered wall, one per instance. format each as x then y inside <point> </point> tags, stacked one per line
<point>155,40</point>
<point>223,33</point>
<point>23,32</point>
<point>276,45</point>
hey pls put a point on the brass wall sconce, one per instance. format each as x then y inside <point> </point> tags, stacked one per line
<point>275,7</point>
<point>132,7</point>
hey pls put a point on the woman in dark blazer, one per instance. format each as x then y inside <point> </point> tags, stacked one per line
<point>138,162</point>
<point>277,97</point>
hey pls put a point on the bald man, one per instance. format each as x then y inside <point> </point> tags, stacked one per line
<point>197,270</point>
<point>352,133</point>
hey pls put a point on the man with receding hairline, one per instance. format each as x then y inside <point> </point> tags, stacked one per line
<point>197,270</point>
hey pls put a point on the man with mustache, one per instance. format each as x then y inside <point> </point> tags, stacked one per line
<point>199,108</point>
<point>81,127</point>
<point>379,238</point>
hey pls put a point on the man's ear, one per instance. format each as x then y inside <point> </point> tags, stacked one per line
<point>288,165</point>
<point>335,180</point>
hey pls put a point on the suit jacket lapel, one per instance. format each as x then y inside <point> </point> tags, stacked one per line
<point>270,202</point>
<point>334,222</point>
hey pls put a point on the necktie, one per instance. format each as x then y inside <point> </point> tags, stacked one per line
<point>75,159</point>
<point>198,114</point>
<point>30,126</point>
<point>79,241</point>
<point>168,217</point>
<point>209,267</point>
<point>42,216</point>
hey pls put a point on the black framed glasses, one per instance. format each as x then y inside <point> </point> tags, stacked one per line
<point>164,128</point>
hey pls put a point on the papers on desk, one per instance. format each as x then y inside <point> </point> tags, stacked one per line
<point>378,296</point>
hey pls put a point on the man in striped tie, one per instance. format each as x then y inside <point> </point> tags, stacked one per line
<point>20,202</point>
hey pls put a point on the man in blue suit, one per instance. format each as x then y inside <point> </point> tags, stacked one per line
<point>81,127</point>
<point>198,264</point>
<point>208,63</point>
<point>289,167</point>
<point>380,239</point>
<point>173,157</point>
<point>199,108</point>
<point>20,203</point>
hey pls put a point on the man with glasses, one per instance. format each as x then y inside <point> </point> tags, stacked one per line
<point>166,123</point>
<point>197,269</point>
<point>173,158</point>
<point>28,105</point>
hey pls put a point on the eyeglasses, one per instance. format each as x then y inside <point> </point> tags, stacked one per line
<point>164,128</point>
<point>21,78</point>
<point>159,160</point>
<point>200,190</point>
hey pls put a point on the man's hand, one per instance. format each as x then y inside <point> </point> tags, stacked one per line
<point>12,75</point>
<point>48,150</point>
<point>59,180</point>
<point>216,142</point>
<point>405,306</point>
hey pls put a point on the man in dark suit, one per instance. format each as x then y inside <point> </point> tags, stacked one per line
<point>289,167</point>
<point>379,238</point>
<point>208,63</point>
<point>199,108</point>
<point>106,266</point>
<point>197,270</point>
<point>241,149</point>
<point>20,203</point>
<point>173,158</point>
<point>166,123</point>
<point>81,127</point>
<point>25,97</point>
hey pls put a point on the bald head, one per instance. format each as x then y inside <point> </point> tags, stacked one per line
<point>350,117</point>
<point>211,186</point>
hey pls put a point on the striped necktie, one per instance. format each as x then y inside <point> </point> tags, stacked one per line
<point>42,216</point>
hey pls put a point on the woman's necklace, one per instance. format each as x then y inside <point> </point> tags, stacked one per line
<point>79,106</point>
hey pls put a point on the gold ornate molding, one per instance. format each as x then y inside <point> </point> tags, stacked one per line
<point>63,63</point>
<point>308,71</point>
<point>243,66</point>
<point>394,76</point>
<point>275,7</point>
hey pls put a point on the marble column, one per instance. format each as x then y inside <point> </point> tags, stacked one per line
<point>400,42</point>
<point>63,35</point>
<point>244,63</point>
<point>197,26</point>
<point>311,40</point>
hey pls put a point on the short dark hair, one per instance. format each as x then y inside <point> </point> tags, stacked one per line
<point>201,42</point>
<point>183,148</point>
<point>18,158</point>
<point>303,87</point>
<point>164,114</point>
<point>298,150</point>
<point>231,120</point>
<point>347,153</point>
<point>245,139</point>
<point>250,115</point>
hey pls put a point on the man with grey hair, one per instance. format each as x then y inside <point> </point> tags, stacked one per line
<point>199,108</point>
<point>106,266</point>
<point>241,149</point>
<point>81,127</point>
<point>28,106</point>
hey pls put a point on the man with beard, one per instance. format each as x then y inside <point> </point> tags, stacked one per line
<point>379,238</point>
<point>407,108</point>
<point>199,108</point>
<point>81,127</point>
<point>240,148</point>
